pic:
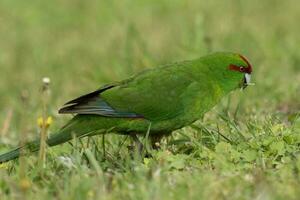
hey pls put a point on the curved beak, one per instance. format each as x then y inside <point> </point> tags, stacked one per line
<point>247,80</point>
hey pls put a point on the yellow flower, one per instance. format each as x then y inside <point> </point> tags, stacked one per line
<point>47,122</point>
<point>4,166</point>
<point>40,122</point>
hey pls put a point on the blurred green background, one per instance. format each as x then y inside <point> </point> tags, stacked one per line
<point>82,45</point>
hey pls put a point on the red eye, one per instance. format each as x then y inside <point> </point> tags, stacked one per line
<point>237,68</point>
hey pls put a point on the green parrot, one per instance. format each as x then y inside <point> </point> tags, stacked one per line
<point>156,101</point>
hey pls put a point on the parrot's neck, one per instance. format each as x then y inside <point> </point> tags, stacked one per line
<point>224,81</point>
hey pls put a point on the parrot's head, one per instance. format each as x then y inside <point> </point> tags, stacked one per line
<point>231,69</point>
<point>242,67</point>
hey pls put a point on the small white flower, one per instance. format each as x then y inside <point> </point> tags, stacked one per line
<point>46,80</point>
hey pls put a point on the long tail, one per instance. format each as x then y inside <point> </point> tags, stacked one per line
<point>75,127</point>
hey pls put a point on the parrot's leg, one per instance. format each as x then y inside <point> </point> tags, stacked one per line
<point>138,144</point>
<point>154,142</point>
<point>139,147</point>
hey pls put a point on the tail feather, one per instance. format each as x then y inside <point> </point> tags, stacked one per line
<point>64,135</point>
<point>31,147</point>
<point>10,155</point>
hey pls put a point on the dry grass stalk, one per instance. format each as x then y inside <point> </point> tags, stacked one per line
<point>6,123</point>
<point>44,126</point>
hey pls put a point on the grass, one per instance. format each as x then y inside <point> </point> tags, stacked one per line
<point>247,147</point>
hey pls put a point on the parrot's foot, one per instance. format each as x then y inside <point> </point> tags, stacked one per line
<point>138,144</point>
<point>138,147</point>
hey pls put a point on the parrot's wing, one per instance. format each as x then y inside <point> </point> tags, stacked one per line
<point>90,95</point>
<point>158,94</point>
<point>92,103</point>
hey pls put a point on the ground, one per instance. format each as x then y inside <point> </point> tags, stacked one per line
<point>247,147</point>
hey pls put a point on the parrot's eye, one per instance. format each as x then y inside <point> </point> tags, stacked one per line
<point>237,68</point>
<point>242,69</point>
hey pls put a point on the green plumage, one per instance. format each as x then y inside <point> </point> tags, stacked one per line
<point>168,97</point>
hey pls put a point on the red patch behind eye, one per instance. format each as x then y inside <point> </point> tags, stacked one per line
<point>242,69</point>
<point>234,68</point>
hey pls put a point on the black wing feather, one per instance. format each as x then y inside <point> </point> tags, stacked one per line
<point>89,95</point>
<point>93,104</point>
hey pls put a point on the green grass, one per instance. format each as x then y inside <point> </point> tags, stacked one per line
<point>245,148</point>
